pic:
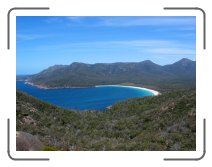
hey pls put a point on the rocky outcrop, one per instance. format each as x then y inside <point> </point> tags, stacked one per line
<point>27,142</point>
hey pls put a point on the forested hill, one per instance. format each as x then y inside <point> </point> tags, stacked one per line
<point>165,122</point>
<point>181,73</point>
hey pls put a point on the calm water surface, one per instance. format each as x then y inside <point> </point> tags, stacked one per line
<point>97,98</point>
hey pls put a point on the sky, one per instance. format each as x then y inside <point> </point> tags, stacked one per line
<point>43,41</point>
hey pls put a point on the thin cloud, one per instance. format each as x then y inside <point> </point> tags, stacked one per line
<point>53,19</point>
<point>134,21</point>
<point>27,37</point>
<point>76,18</point>
<point>145,21</point>
<point>171,51</point>
<point>30,37</point>
<point>154,47</point>
<point>115,44</point>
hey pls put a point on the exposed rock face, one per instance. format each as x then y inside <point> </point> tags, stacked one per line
<point>28,120</point>
<point>27,142</point>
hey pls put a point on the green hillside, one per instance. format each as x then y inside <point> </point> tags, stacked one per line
<point>146,73</point>
<point>165,122</point>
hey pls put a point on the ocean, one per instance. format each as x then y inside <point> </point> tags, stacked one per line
<point>95,98</point>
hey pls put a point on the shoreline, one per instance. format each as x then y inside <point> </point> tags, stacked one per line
<point>46,88</point>
<point>38,86</point>
<point>154,92</point>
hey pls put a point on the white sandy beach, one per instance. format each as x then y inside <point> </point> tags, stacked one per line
<point>155,93</point>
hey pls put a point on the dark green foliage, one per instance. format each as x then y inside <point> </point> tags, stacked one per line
<point>178,75</point>
<point>165,122</point>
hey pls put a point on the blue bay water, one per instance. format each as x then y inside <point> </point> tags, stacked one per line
<point>96,98</point>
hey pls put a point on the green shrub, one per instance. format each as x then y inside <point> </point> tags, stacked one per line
<point>165,122</point>
<point>49,148</point>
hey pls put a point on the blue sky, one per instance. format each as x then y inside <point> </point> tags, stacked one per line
<point>43,41</point>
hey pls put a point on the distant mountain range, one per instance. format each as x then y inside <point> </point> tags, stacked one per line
<point>182,72</point>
